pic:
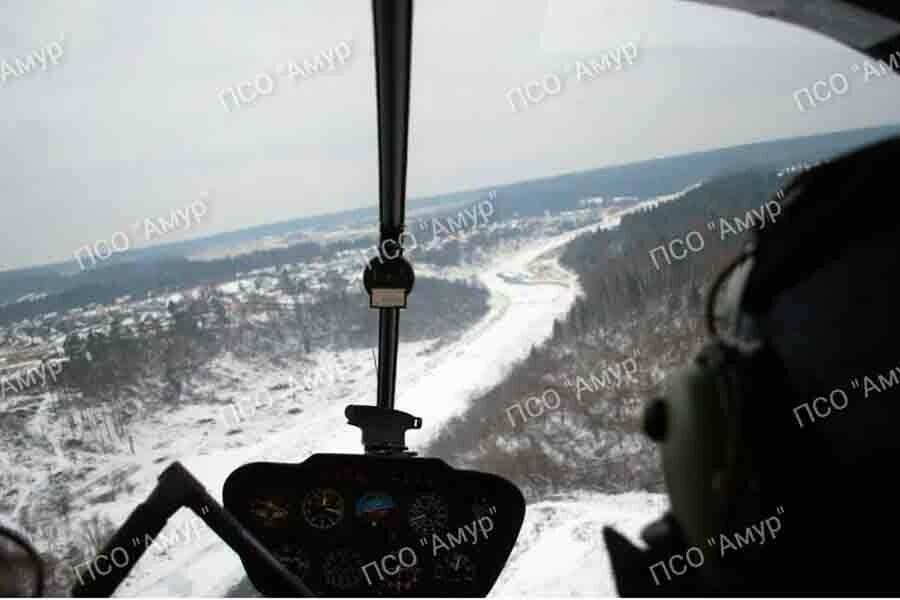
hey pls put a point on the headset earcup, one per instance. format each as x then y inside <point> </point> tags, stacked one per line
<point>692,448</point>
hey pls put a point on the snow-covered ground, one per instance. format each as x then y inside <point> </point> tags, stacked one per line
<point>560,550</point>
<point>434,386</point>
<point>284,422</point>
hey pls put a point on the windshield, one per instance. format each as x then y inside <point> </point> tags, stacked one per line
<point>190,196</point>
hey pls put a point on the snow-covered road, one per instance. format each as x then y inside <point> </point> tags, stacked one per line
<point>434,386</point>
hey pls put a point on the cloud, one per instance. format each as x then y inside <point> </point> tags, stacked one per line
<point>130,125</point>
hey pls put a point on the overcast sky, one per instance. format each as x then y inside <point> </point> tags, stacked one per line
<point>129,125</point>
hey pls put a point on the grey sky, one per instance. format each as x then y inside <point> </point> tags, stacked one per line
<point>129,124</point>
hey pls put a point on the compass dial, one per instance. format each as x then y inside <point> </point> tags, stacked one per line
<point>323,508</point>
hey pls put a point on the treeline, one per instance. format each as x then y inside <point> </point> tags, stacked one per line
<point>199,328</point>
<point>631,310</point>
<point>663,175</point>
<point>479,243</point>
<point>15,284</point>
<point>528,198</point>
<point>622,274</point>
<point>138,279</point>
<point>116,279</point>
<point>130,372</point>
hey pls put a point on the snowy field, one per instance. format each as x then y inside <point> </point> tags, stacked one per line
<point>434,386</point>
<point>528,290</point>
<point>560,550</point>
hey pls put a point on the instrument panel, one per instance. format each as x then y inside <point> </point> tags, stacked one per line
<point>358,525</point>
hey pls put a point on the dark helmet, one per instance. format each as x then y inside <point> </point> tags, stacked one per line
<point>777,442</point>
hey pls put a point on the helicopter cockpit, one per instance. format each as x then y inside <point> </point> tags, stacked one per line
<point>385,522</point>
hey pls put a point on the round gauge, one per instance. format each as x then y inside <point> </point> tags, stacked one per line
<point>455,568</point>
<point>294,558</point>
<point>404,581</point>
<point>323,508</point>
<point>374,508</point>
<point>268,512</point>
<point>428,514</point>
<point>343,569</point>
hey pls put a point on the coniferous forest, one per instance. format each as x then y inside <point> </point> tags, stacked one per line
<point>635,312</point>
